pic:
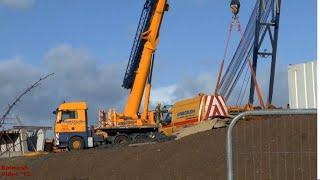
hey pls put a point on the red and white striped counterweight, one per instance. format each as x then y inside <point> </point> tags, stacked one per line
<point>214,106</point>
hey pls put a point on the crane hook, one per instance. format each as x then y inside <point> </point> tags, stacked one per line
<point>235,7</point>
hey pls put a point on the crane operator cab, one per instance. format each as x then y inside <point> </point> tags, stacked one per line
<point>235,6</point>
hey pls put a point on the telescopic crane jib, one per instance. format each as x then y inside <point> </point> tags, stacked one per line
<point>139,69</point>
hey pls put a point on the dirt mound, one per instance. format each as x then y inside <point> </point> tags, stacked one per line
<point>199,156</point>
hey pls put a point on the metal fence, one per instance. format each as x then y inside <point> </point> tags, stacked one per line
<point>277,144</point>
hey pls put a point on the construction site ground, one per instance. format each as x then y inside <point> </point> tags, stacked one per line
<point>273,147</point>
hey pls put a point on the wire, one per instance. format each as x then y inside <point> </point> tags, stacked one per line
<point>244,80</point>
<point>218,85</point>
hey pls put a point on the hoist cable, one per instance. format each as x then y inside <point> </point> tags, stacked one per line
<point>244,80</point>
<point>253,74</point>
<point>224,56</point>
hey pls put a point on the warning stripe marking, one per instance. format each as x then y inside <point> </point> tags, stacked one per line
<point>221,105</point>
<point>209,106</point>
<point>202,100</point>
<point>215,106</point>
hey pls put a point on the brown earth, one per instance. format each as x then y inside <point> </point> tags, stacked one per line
<point>282,147</point>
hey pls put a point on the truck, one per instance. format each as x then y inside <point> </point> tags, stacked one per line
<point>72,130</point>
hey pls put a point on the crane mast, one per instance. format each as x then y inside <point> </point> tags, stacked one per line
<point>139,66</point>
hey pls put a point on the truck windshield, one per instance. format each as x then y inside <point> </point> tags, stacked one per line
<point>69,115</point>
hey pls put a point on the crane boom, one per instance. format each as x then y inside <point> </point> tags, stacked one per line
<point>136,79</point>
<point>138,43</point>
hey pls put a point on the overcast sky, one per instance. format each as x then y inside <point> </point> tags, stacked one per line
<point>87,44</point>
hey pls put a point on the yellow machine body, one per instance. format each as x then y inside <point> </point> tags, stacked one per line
<point>192,111</point>
<point>185,113</point>
<point>71,117</point>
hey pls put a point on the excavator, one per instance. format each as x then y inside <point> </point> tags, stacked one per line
<point>71,125</point>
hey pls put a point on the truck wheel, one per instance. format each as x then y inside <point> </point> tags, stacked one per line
<point>76,143</point>
<point>121,139</point>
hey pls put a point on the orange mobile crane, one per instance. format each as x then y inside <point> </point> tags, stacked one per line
<point>71,125</point>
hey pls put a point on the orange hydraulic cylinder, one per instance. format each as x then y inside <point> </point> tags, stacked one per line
<point>146,102</point>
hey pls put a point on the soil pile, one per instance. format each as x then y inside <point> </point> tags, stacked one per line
<point>275,148</point>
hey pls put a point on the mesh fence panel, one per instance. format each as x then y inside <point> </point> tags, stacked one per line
<point>275,147</point>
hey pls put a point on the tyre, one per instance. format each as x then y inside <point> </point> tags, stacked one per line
<point>122,139</point>
<point>76,143</point>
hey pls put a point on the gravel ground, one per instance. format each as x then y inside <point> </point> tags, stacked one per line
<point>265,148</point>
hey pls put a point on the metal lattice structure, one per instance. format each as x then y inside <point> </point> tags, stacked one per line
<point>264,18</point>
<point>17,99</point>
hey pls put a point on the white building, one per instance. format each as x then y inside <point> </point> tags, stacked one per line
<point>302,79</point>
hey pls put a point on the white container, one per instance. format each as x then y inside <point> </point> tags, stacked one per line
<point>302,79</point>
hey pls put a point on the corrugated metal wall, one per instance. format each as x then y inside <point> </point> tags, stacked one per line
<point>302,79</point>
